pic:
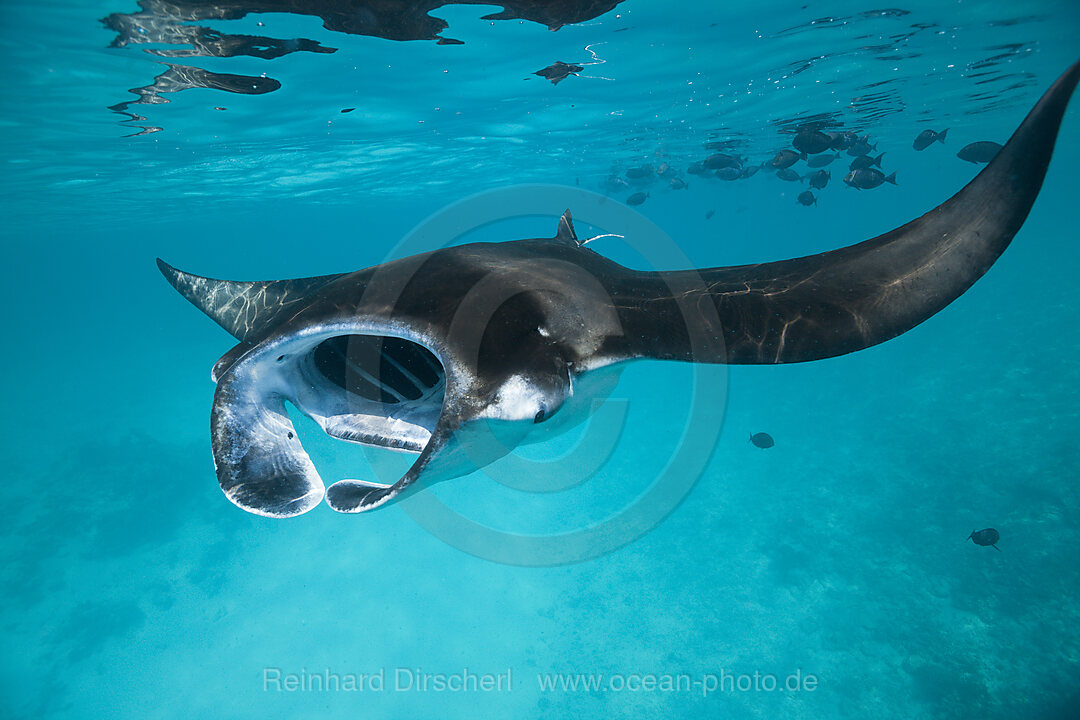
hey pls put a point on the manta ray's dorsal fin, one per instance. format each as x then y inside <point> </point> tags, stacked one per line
<point>242,308</point>
<point>566,234</point>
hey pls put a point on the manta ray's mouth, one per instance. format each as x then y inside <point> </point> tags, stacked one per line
<point>376,390</point>
<point>381,369</point>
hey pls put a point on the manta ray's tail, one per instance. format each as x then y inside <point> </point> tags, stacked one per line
<point>845,300</point>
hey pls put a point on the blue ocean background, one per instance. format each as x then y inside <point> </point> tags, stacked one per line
<point>133,589</point>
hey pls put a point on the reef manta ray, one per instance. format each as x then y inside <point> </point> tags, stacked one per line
<point>431,353</point>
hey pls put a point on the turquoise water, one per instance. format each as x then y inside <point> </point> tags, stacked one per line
<point>133,588</point>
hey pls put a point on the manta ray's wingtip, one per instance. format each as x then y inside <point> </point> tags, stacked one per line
<point>171,274</point>
<point>230,303</point>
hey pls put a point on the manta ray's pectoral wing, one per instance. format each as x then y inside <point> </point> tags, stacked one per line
<point>845,300</point>
<point>243,308</point>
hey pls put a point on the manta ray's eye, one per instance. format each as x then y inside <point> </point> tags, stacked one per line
<point>540,415</point>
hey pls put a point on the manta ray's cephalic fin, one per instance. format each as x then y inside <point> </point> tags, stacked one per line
<point>356,496</point>
<point>261,465</point>
<point>242,308</point>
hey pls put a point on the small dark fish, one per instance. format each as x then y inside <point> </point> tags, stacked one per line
<point>868,178</point>
<point>729,173</point>
<point>820,179</point>
<point>638,173</point>
<point>788,174</point>
<point>665,171</point>
<point>221,108</point>
<point>750,170</point>
<point>719,161</point>
<point>864,161</point>
<point>811,142</point>
<point>785,159</point>
<point>636,199</point>
<point>677,183</point>
<point>979,152</point>
<point>820,161</point>
<point>807,198</point>
<point>558,72</point>
<point>697,168</point>
<point>762,440</point>
<point>347,110</point>
<point>843,140</point>
<point>927,138</point>
<point>987,537</point>
<point>861,146</point>
<point>709,214</point>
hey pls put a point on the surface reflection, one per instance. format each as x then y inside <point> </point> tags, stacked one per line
<point>164,29</point>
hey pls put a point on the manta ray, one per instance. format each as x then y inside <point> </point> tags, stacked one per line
<point>459,354</point>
